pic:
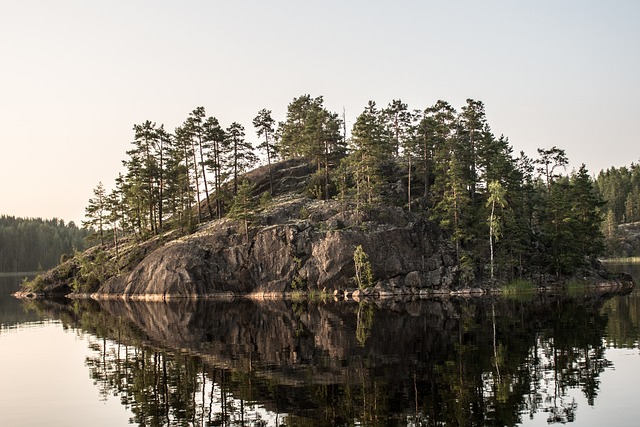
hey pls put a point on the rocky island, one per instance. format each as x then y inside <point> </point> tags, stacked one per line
<point>435,204</point>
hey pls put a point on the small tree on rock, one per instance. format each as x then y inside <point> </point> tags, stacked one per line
<point>243,206</point>
<point>364,275</point>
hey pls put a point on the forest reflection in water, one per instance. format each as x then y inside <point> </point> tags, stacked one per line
<point>450,361</point>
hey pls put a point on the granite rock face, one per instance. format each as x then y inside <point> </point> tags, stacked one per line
<point>296,244</point>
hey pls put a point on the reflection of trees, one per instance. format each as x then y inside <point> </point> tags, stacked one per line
<point>623,328</point>
<point>171,388</point>
<point>521,361</point>
<point>450,362</point>
<point>364,322</point>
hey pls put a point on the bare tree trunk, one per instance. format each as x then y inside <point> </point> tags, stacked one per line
<point>409,184</point>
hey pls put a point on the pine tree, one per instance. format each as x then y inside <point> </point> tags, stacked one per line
<point>400,127</point>
<point>313,132</point>
<point>142,172</point>
<point>471,135</point>
<point>264,125</point>
<point>192,136</point>
<point>240,155</point>
<point>180,188</point>
<point>549,160</point>
<point>96,211</point>
<point>369,150</point>
<point>215,137</point>
<point>438,136</point>
<point>292,131</point>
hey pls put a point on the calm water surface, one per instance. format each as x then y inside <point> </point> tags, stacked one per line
<point>528,361</point>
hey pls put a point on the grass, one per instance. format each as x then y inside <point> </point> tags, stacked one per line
<point>518,288</point>
<point>311,295</point>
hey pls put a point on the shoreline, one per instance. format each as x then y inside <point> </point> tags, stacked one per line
<point>356,295</point>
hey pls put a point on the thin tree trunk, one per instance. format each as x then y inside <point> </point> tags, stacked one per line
<point>426,171</point>
<point>493,205</point>
<point>409,184</point>
<point>266,142</point>
<point>204,178</point>
<point>216,177</point>
<point>161,188</point>
<point>195,174</point>
<point>235,168</point>
<point>188,177</point>
<point>326,171</point>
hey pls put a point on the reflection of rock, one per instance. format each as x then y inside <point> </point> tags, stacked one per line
<point>406,356</point>
<point>279,333</point>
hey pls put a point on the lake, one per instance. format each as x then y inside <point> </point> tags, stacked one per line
<point>532,361</point>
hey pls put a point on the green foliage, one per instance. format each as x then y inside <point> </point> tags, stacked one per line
<point>467,269</point>
<point>265,127</point>
<point>95,268</point>
<point>304,213</point>
<point>96,212</point>
<point>265,200</point>
<point>363,273</point>
<point>37,284</point>
<point>517,287</point>
<point>240,156</point>
<point>319,186</point>
<point>243,206</point>
<point>298,282</point>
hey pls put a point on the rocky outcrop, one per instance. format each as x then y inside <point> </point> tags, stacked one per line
<point>297,244</point>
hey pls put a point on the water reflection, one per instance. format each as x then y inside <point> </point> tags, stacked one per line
<point>450,361</point>
<point>12,312</point>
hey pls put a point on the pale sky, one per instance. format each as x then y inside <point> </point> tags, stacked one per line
<point>76,75</point>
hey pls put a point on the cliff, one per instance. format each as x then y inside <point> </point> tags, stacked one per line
<point>289,251</point>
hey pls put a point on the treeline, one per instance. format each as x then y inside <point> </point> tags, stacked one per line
<point>620,187</point>
<point>36,244</point>
<point>506,214</point>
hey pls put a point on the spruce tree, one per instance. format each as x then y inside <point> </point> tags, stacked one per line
<point>243,205</point>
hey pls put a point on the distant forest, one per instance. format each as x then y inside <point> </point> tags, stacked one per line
<point>507,211</point>
<point>36,244</point>
<point>620,187</point>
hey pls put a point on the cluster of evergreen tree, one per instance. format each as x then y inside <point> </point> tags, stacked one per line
<point>506,214</point>
<point>36,244</point>
<point>620,187</point>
